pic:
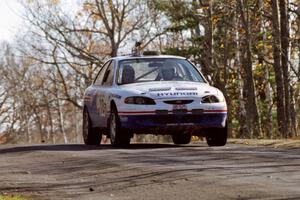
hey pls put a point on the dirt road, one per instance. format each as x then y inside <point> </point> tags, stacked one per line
<point>150,171</point>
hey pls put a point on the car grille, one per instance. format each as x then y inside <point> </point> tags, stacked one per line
<point>178,102</point>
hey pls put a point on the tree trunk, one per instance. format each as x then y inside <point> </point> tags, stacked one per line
<point>278,70</point>
<point>28,132</point>
<point>241,112</point>
<point>39,124</point>
<point>253,125</point>
<point>61,122</point>
<point>60,114</point>
<point>293,112</point>
<point>266,98</point>
<point>50,121</point>
<point>284,30</point>
<point>207,67</point>
<point>269,105</point>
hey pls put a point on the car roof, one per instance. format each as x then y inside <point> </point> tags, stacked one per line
<point>119,58</point>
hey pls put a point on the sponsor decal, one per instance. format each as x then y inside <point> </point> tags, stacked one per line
<point>159,89</point>
<point>183,88</point>
<point>100,105</point>
<point>166,94</point>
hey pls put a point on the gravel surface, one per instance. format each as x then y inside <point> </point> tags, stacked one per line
<point>150,171</point>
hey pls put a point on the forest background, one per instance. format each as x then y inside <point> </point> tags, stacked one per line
<point>250,48</point>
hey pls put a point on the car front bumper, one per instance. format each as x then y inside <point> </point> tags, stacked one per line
<point>143,122</point>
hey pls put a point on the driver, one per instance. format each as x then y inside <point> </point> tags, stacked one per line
<point>128,74</point>
<point>168,73</point>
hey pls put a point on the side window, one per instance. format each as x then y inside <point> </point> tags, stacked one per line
<point>100,75</point>
<point>109,75</point>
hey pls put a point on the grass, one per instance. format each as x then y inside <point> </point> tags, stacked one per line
<point>289,143</point>
<point>12,197</point>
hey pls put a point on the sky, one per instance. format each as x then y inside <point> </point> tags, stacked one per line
<point>11,16</point>
<point>10,19</point>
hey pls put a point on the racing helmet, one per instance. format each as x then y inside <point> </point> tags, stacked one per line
<point>128,74</point>
<point>168,72</point>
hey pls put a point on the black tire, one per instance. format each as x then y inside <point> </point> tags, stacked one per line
<point>216,137</point>
<point>118,137</point>
<point>184,138</point>
<point>91,136</point>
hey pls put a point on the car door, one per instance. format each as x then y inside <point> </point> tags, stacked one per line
<point>96,91</point>
<point>107,89</point>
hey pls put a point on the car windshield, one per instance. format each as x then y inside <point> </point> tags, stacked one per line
<point>156,69</point>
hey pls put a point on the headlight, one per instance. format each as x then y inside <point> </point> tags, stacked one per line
<point>139,100</point>
<point>212,99</point>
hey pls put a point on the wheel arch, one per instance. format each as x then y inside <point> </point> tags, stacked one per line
<point>85,108</point>
<point>112,105</point>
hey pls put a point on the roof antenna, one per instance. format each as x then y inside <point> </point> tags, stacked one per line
<point>137,50</point>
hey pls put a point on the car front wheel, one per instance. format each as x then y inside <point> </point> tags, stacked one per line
<point>216,136</point>
<point>118,137</point>
<point>91,136</point>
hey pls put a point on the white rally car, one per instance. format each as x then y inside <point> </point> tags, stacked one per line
<point>153,95</point>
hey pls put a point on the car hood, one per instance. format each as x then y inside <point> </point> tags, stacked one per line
<point>170,89</point>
